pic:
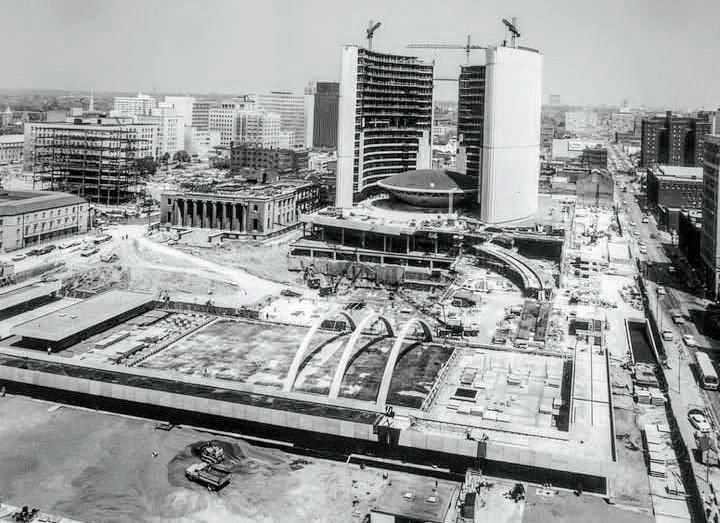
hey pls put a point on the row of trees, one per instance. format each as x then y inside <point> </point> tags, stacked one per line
<point>148,166</point>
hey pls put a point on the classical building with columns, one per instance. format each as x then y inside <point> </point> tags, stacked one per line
<point>252,210</point>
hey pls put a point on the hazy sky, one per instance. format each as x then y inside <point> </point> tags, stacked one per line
<point>654,52</point>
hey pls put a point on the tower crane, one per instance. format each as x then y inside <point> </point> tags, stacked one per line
<point>514,31</point>
<point>370,31</point>
<point>469,46</point>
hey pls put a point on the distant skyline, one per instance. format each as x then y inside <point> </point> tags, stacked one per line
<point>660,53</point>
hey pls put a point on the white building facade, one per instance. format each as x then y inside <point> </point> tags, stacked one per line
<point>290,107</point>
<point>259,128</point>
<point>139,105</point>
<point>510,166</point>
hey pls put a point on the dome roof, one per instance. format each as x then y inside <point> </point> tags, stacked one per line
<point>430,180</point>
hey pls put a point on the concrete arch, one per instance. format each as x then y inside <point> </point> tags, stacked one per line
<point>349,350</point>
<point>395,354</point>
<point>304,348</point>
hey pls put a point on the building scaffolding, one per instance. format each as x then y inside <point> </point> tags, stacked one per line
<point>97,162</point>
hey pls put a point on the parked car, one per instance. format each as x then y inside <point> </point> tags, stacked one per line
<point>69,245</point>
<point>699,421</point>
<point>661,291</point>
<point>18,257</point>
<point>643,250</point>
<point>667,335</point>
<point>89,251</point>
<point>689,340</point>
<point>645,219</point>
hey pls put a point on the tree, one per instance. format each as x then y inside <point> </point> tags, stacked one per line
<point>182,157</point>
<point>146,166</point>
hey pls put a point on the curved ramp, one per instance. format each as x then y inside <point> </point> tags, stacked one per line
<point>535,282</point>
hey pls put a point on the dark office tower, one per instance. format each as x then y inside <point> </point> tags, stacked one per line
<point>325,114</point>
<point>673,140</point>
<point>471,119</point>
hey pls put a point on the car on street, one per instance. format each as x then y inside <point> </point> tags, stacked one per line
<point>632,224</point>
<point>689,340</point>
<point>667,335</point>
<point>699,421</point>
<point>643,250</point>
<point>89,251</point>
<point>69,245</point>
<point>678,318</point>
<point>46,249</point>
<point>645,219</point>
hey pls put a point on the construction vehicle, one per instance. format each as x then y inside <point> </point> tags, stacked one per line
<point>214,477</point>
<point>212,454</point>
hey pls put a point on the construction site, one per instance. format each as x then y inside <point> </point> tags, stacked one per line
<point>487,364</point>
<point>97,161</point>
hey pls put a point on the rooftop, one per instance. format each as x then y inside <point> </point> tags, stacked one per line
<point>678,173</point>
<point>416,498</point>
<point>12,138</point>
<point>430,180</point>
<point>77,318</point>
<point>21,202</point>
<point>285,186</point>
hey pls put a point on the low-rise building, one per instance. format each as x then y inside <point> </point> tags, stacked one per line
<point>30,217</point>
<point>256,210</point>
<point>200,142</point>
<point>595,157</point>
<point>255,156</point>
<point>672,188</point>
<point>11,148</point>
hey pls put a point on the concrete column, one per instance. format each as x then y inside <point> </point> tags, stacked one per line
<point>435,241</point>
<point>197,217</point>
<point>233,217</point>
<point>450,203</point>
<point>227,225</point>
<point>184,213</point>
<point>246,218</point>
<point>407,244</point>
<point>175,213</point>
<point>204,215</point>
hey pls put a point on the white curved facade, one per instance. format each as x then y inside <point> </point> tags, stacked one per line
<point>511,135</point>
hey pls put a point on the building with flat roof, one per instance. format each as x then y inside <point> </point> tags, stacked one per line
<point>170,129</point>
<point>248,210</point>
<point>690,236</point>
<point>95,158</point>
<point>28,217</point>
<point>68,326</point>
<point>11,148</point>
<point>572,148</point>
<point>141,104</point>
<point>384,119</point>
<point>673,140</point>
<point>710,242</point>
<point>418,499</point>
<point>201,114</point>
<point>670,189</point>
<point>510,167</point>
<point>321,113</point>
<point>282,161</point>
<point>290,107</point>
<point>255,127</point>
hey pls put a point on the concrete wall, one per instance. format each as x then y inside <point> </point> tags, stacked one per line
<point>346,126</point>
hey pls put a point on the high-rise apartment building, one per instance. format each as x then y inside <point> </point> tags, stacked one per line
<point>499,131</point>
<point>384,119</point>
<point>709,241</point>
<point>321,114</point>
<point>289,106</point>
<point>94,158</point>
<point>141,104</point>
<point>673,140</point>
<point>258,128</point>
<point>223,117</point>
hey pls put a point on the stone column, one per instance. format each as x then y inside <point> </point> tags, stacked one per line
<point>233,217</point>
<point>175,213</point>
<point>246,217</point>
<point>184,213</point>
<point>223,219</point>
<point>196,214</point>
<point>204,215</point>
